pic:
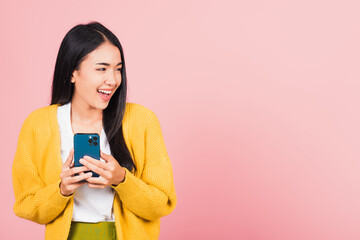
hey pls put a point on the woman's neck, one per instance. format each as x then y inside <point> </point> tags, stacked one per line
<point>85,114</point>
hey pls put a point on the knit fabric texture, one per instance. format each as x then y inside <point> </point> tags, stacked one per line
<point>140,200</point>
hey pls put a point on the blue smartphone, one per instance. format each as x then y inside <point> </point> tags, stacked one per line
<point>86,144</point>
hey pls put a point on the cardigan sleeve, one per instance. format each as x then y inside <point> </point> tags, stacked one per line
<point>153,194</point>
<point>34,200</point>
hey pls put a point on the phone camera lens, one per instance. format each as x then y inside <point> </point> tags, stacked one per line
<point>90,140</point>
<point>95,143</point>
<point>95,138</point>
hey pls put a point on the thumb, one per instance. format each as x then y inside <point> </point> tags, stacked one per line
<point>67,163</point>
<point>106,157</point>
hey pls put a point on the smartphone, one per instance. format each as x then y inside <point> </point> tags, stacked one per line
<point>86,144</point>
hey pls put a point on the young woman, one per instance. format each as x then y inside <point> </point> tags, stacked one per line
<point>135,187</point>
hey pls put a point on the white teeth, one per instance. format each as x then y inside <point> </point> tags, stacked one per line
<point>104,91</point>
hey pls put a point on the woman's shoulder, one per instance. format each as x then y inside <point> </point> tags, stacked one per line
<point>135,112</point>
<point>41,115</point>
<point>136,108</point>
<point>43,112</point>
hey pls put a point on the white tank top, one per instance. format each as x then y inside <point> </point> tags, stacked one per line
<point>90,204</point>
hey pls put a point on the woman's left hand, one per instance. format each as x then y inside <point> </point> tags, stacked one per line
<point>110,171</point>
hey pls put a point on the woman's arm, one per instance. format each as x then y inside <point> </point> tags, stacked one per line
<point>153,195</point>
<point>34,200</point>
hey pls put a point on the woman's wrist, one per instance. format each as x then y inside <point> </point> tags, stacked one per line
<point>65,195</point>
<point>122,180</point>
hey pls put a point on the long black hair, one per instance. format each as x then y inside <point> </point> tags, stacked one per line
<point>77,43</point>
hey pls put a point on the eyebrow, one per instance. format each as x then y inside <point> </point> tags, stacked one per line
<point>107,64</point>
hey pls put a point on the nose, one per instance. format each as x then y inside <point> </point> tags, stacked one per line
<point>111,78</point>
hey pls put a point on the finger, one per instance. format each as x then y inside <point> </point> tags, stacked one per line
<point>95,162</point>
<point>75,170</point>
<point>95,168</point>
<point>97,180</point>
<point>76,185</point>
<point>76,179</point>
<point>106,157</point>
<point>67,163</point>
<point>91,185</point>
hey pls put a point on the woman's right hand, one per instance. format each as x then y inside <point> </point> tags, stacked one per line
<point>70,182</point>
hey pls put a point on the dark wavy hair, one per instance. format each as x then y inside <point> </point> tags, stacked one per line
<point>77,43</point>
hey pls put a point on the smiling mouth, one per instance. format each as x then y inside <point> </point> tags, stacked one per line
<point>105,95</point>
<point>104,92</point>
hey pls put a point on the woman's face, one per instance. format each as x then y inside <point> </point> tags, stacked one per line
<point>98,77</point>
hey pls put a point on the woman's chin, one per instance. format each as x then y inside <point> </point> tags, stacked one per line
<point>99,105</point>
<point>102,106</point>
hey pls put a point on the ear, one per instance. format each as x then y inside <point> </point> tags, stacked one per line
<point>72,80</point>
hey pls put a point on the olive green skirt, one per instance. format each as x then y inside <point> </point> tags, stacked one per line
<point>92,231</point>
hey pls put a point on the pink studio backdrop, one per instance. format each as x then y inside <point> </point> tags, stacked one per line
<point>258,103</point>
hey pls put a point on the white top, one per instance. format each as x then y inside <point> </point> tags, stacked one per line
<point>90,204</point>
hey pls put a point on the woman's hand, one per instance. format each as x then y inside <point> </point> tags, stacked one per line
<point>110,171</point>
<point>69,182</point>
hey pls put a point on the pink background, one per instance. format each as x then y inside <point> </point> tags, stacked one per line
<point>258,102</point>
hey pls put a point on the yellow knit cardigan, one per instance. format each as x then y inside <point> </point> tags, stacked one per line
<point>140,200</point>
